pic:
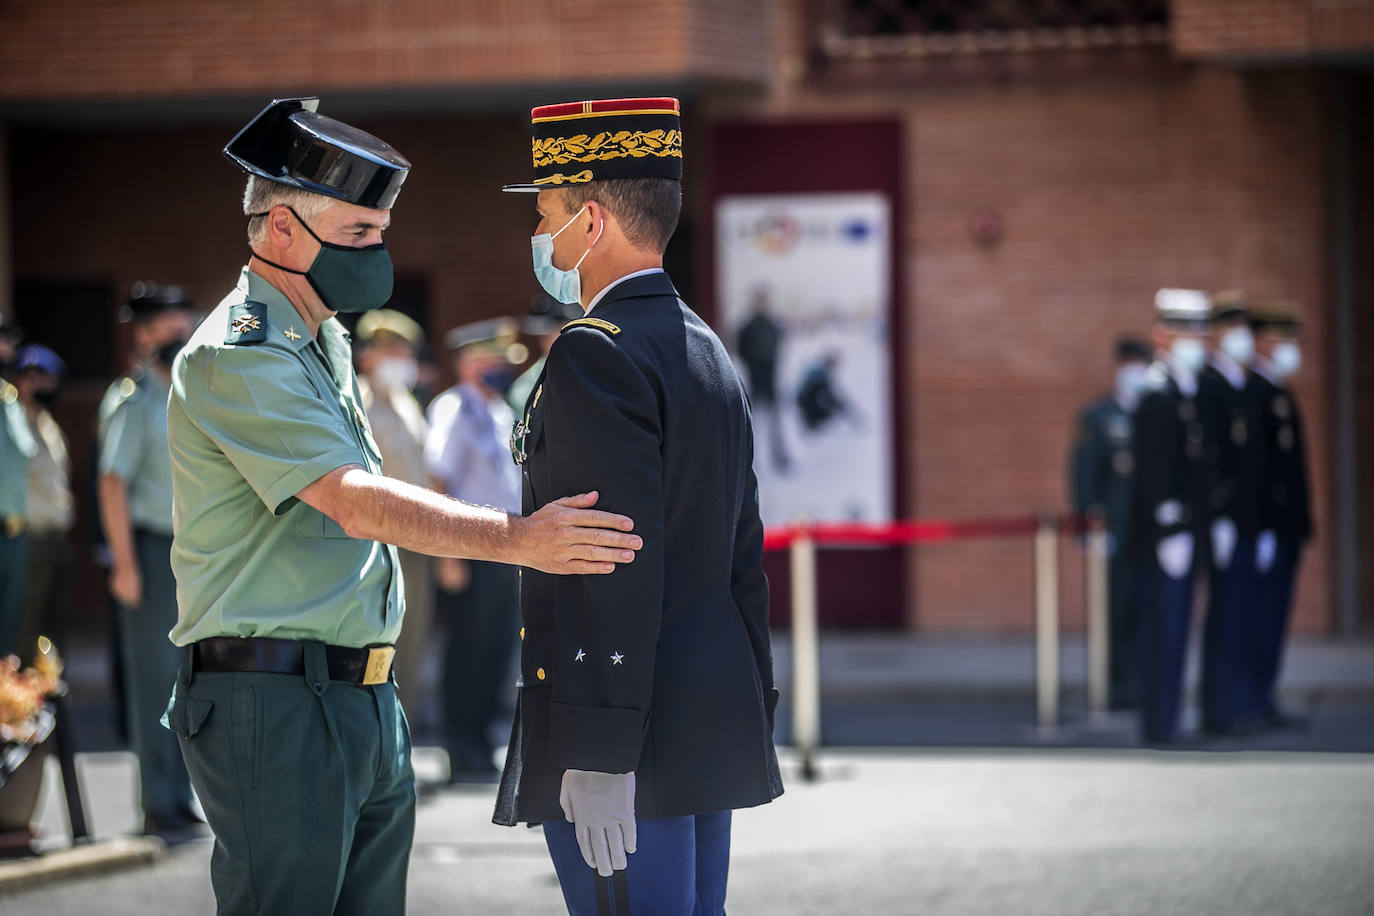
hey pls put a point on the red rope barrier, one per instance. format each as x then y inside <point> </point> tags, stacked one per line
<point>916,532</point>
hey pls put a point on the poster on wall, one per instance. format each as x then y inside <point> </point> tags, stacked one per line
<point>803,288</point>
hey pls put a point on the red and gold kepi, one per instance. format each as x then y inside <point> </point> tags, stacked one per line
<point>578,142</point>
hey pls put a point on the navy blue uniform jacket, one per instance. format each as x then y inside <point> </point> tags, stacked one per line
<point>664,666</point>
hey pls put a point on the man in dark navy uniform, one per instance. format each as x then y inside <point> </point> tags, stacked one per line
<point>646,705</point>
<point>1235,464</point>
<point>1103,480</point>
<point>1170,515</point>
<point>1286,520</point>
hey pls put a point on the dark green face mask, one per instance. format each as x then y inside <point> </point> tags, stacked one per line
<point>346,279</point>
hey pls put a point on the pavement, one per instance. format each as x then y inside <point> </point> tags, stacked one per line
<point>937,795</point>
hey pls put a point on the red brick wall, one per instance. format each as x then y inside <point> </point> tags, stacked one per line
<point>120,48</point>
<point>1210,179</point>
<point>1270,28</point>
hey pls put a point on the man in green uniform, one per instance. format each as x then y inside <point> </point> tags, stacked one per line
<point>288,582</point>
<point>134,492</point>
<point>1103,479</point>
<point>16,448</point>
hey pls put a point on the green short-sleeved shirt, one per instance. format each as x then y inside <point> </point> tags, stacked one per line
<point>250,424</point>
<point>16,448</point>
<point>133,446</point>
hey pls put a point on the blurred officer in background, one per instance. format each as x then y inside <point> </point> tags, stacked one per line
<point>1103,478</point>
<point>385,344</point>
<point>134,492</point>
<point>645,713</point>
<point>1235,462</point>
<point>1169,516</point>
<point>288,583</point>
<point>545,319</point>
<point>468,454</point>
<point>1286,520</point>
<point>759,344</point>
<point>52,508</point>
<point>16,449</point>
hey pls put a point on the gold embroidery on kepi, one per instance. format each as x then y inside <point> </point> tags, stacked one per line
<point>610,138</point>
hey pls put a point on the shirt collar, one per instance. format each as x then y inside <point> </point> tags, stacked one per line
<point>1229,369</point>
<point>610,286</point>
<point>1266,369</point>
<point>284,324</point>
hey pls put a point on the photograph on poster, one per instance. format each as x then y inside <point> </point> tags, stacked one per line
<point>804,286</point>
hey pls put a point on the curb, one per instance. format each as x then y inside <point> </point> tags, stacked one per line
<point>76,861</point>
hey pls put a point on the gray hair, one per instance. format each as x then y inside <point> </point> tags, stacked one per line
<point>261,195</point>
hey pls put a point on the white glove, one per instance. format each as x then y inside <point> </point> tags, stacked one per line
<point>1176,554</point>
<point>1265,548</point>
<point>601,806</point>
<point>1223,542</point>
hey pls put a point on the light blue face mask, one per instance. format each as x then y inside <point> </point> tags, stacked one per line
<point>563,285</point>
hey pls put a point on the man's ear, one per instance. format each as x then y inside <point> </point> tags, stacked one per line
<point>280,226</point>
<point>600,217</point>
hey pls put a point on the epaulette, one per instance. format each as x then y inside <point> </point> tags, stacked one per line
<point>119,391</point>
<point>247,323</point>
<point>599,324</point>
<point>8,393</point>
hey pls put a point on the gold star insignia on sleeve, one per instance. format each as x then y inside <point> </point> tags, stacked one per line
<point>291,333</point>
<point>245,323</point>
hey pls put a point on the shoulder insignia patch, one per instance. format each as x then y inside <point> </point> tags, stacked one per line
<point>247,323</point>
<point>599,324</point>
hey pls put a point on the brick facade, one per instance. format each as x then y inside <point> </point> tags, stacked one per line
<point>1271,29</point>
<point>1192,175</point>
<point>138,48</point>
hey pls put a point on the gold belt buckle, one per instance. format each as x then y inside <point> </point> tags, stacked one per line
<point>378,665</point>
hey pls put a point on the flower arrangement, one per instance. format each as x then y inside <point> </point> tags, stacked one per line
<point>22,693</point>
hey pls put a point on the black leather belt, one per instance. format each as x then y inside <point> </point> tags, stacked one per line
<point>368,667</point>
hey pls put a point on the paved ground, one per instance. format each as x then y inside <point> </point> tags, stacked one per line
<point>1013,822</point>
<point>936,833</point>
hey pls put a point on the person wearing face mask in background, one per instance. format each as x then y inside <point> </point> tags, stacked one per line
<point>1286,520</point>
<point>384,345</point>
<point>1103,481</point>
<point>134,495</point>
<point>1169,514</point>
<point>468,456</point>
<point>51,505</point>
<point>1235,463</point>
<point>16,450</point>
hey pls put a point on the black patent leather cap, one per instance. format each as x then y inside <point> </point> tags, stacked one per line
<point>291,143</point>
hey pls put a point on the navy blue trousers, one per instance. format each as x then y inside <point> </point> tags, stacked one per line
<point>1273,606</point>
<point>1228,641</point>
<point>1166,609</point>
<point>679,868</point>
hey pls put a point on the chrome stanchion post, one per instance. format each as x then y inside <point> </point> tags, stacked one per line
<point>806,688</point>
<point>1047,624</point>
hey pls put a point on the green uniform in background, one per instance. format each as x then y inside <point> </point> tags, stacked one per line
<point>306,782</point>
<point>133,447</point>
<point>1103,482</point>
<point>16,448</point>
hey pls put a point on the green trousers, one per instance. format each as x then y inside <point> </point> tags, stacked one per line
<point>307,785</point>
<point>150,669</point>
